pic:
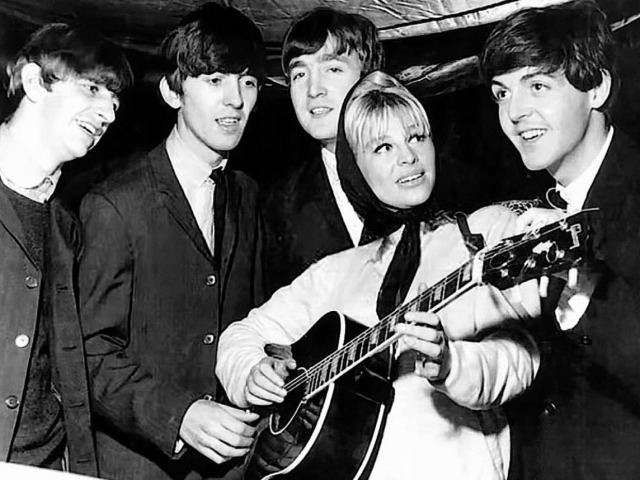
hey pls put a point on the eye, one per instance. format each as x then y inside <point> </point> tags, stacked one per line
<point>538,86</point>
<point>296,75</point>
<point>251,82</point>
<point>91,87</point>
<point>215,81</point>
<point>335,69</point>
<point>499,94</point>
<point>417,138</point>
<point>382,148</point>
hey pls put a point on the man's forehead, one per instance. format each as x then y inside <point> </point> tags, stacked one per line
<point>524,73</point>
<point>328,52</point>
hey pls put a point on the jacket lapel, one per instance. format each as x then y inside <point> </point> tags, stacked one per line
<point>321,195</point>
<point>172,197</point>
<point>607,193</point>
<point>230,237</point>
<point>11,223</point>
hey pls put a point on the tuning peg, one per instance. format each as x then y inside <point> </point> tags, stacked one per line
<point>543,286</point>
<point>572,278</point>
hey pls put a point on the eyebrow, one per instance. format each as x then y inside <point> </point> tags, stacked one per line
<point>327,57</point>
<point>525,77</point>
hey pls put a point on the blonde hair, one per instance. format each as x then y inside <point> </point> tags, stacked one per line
<point>376,99</point>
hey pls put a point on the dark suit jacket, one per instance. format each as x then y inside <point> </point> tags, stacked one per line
<point>153,306</point>
<point>21,288</point>
<point>302,221</point>
<point>582,417</point>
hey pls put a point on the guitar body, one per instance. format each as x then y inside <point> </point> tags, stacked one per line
<point>336,432</point>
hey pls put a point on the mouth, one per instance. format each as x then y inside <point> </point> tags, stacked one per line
<point>90,129</point>
<point>411,179</point>
<point>229,124</point>
<point>532,134</point>
<point>320,111</point>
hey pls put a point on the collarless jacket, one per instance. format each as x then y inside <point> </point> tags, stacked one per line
<point>153,305</point>
<point>586,401</point>
<point>302,221</point>
<point>21,289</point>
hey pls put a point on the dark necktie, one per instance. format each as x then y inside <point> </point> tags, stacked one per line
<point>555,200</point>
<point>219,207</point>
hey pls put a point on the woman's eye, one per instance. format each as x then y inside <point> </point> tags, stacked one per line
<point>417,138</point>
<point>384,147</point>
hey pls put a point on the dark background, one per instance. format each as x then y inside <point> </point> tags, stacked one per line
<point>477,164</point>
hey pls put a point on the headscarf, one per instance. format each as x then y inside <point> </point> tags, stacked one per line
<point>380,220</point>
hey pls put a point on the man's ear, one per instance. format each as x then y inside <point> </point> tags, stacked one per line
<point>170,97</point>
<point>32,82</point>
<point>600,94</point>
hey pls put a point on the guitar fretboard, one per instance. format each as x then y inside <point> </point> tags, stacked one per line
<point>380,336</point>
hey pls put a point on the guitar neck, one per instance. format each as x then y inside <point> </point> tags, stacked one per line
<point>547,249</point>
<point>382,335</point>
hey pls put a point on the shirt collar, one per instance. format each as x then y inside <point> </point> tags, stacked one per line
<point>329,160</point>
<point>575,193</point>
<point>30,182</point>
<point>187,165</point>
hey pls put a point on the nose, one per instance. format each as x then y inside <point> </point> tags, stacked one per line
<point>316,85</point>
<point>407,156</point>
<point>106,109</point>
<point>232,94</point>
<point>518,105</point>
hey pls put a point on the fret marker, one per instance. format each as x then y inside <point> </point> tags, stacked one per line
<point>437,294</point>
<point>466,272</point>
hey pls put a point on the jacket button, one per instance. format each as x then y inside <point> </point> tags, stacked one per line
<point>550,409</point>
<point>586,340</point>
<point>31,282</point>
<point>12,402</point>
<point>22,341</point>
<point>208,397</point>
<point>208,339</point>
<point>211,280</point>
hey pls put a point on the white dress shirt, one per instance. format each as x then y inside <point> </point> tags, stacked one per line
<point>574,299</point>
<point>349,216</point>
<point>193,175</point>
<point>32,183</point>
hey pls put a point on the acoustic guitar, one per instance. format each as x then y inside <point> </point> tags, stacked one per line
<point>331,421</point>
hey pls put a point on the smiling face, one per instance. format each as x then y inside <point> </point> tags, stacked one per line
<point>399,164</point>
<point>552,124</point>
<point>77,113</point>
<point>213,111</point>
<point>319,84</point>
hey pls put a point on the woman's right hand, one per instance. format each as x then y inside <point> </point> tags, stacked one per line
<point>265,384</point>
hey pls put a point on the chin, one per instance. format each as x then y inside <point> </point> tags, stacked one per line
<point>534,165</point>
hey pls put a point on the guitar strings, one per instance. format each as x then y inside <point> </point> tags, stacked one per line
<point>387,322</point>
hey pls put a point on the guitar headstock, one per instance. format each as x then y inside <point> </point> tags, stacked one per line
<point>552,248</point>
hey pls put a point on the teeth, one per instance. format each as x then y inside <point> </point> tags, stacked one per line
<point>90,129</point>
<point>319,110</point>
<point>412,177</point>
<point>531,134</point>
<point>228,121</point>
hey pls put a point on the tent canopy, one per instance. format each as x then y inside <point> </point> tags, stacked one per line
<point>427,54</point>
